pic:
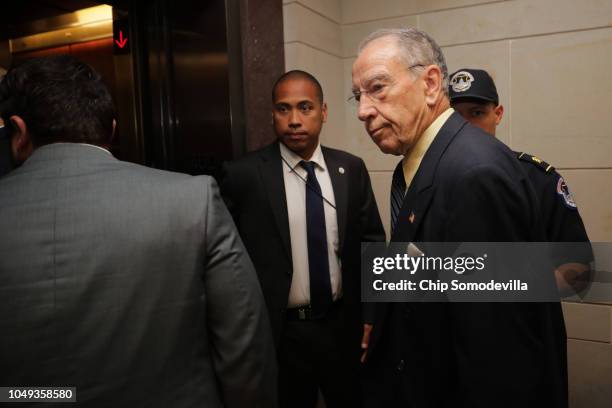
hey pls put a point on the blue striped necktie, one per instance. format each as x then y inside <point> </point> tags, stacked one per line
<point>398,190</point>
<point>318,260</point>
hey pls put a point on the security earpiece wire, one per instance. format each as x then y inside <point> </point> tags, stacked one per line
<point>306,183</point>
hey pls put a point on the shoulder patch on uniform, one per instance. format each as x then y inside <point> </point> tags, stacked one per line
<point>536,161</point>
<point>565,193</point>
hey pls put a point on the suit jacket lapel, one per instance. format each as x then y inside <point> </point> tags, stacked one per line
<point>271,168</point>
<point>416,202</point>
<point>411,214</point>
<point>419,194</point>
<point>340,186</point>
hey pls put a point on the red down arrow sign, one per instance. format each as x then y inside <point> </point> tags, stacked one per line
<point>122,41</point>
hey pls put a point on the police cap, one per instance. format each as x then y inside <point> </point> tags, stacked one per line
<point>473,84</point>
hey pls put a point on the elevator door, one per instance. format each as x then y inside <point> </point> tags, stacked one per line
<point>183,74</point>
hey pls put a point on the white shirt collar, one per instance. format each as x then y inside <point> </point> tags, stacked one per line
<point>292,159</point>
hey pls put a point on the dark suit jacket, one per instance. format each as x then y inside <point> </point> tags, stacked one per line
<point>6,159</point>
<point>469,187</point>
<point>128,283</point>
<point>254,191</point>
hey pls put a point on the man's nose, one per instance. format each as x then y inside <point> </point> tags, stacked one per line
<point>294,120</point>
<point>365,108</point>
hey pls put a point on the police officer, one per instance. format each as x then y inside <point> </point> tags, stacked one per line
<point>473,94</point>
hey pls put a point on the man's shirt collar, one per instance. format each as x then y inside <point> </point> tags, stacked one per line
<point>292,159</point>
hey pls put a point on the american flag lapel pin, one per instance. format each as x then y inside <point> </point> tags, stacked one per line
<point>411,217</point>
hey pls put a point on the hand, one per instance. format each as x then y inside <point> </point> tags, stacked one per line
<point>365,340</point>
<point>572,278</point>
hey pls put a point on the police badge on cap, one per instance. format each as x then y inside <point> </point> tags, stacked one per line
<point>474,84</point>
<point>461,81</point>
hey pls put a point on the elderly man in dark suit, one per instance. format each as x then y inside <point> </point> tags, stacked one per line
<point>130,284</point>
<point>303,210</point>
<point>455,183</point>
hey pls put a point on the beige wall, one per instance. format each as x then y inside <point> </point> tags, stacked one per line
<point>552,62</point>
<point>313,43</point>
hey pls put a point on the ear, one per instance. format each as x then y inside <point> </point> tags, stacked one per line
<point>21,143</point>
<point>499,113</point>
<point>324,111</point>
<point>433,84</point>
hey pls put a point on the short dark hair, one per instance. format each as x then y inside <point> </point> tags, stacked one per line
<point>298,74</point>
<point>61,99</point>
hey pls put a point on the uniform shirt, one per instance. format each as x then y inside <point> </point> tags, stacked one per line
<point>560,215</point>
<point>294,177</point>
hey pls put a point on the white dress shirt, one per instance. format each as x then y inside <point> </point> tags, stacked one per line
<point>294,176</point>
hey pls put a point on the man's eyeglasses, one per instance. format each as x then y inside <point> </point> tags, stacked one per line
<point>376,90</point>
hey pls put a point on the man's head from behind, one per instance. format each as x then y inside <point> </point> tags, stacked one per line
<point>55,99</point>
<point>400,84</point>
<point>473,94</point>
<point>298,112</point>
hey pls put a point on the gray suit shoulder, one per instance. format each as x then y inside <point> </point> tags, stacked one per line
<point>181,196</point>
<point>166,176</point>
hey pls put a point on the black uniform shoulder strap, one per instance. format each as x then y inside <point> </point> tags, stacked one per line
<point>547,168</point>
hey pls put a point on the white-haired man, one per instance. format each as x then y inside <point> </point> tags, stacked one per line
<point>455,183</point>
